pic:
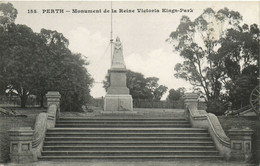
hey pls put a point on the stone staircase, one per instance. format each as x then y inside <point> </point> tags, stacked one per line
<point>134,138</point>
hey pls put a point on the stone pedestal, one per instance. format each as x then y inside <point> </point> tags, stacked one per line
<point>191,99</point>
<point>118,98</point>
<point>241,143</point>
<point>53,97</point>
<point>21,145</point>
<point>190,102</point>
<point>117,82</point>
<point>119,103</point>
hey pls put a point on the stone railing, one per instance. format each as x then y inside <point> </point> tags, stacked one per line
<point>224,144</point>
<point>39,134</point>
<point>19,137</point>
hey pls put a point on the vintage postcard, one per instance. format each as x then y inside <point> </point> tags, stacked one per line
<point>140,68</point>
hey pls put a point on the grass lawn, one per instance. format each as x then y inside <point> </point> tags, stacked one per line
<point>6,123</point>
<point>235,121</point>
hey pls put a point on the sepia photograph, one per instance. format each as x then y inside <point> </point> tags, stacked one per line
<point>135,83</point>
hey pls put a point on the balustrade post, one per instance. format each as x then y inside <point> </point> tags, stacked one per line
<point>191,100</point>
<point>21,144</point>
<point>53,97</point>
<point>241,143</point>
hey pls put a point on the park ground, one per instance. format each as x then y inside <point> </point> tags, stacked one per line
<point>6,123</point>
<point>137,163</point>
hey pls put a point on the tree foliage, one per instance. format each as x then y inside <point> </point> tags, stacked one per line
<point>213,47</point>
<point>241,88</point>
<point>20,49</point>
<point>8,14</point>
<point>137,85</point>
<point>155,90</point>
<point>141,87</point>
<point>175,95</point>
<point>34,63</point>
<point>240,50</point>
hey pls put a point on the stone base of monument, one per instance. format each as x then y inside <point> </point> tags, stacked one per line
<point>118,104</point>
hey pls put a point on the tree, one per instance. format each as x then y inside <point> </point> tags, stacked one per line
<point>53,61</point>
<point>241,88</point>
<point>8,14</point>
<point>7,17</point>
<point>36,63</point>
<point>20,48</point>
<point>155,90</point>
<point>136,83</point>
<point>201,44</point>
<point>197,42</point>
<point>241,50</point>
<point>175,95</point>
<point>63,71</point>
<point>141,87</point>
<point>74,84</point>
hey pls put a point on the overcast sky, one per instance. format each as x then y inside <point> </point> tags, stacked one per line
<point>143,34</point>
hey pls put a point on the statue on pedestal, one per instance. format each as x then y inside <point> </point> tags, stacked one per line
<point>118,59</point>
<point>118,97</point>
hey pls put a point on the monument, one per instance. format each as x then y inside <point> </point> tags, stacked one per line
<point>118,98</point>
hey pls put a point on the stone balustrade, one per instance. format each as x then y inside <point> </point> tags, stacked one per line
<point>227,146</point>
<point>39,134</point>
<point>25,143</point>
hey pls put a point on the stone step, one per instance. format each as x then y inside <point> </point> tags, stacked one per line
<point>122,125</point>
<point>123,138</point>
<point>130,158</point>
<point>121,119</point>
<point>147,119</point>
<point>129,153</point>
<point>128,130</point>
<point>146,115</point>
<point>127,134</point>
<point>124,130</point>
<point>130,142</point>
<point>128,148</point>
<point>127,138</point>
<point>122,122</point>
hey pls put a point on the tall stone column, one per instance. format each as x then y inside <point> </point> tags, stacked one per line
<point>118,98</point>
